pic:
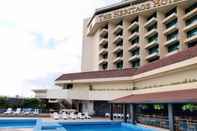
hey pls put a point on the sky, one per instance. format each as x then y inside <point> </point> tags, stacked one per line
<point>40,40</point>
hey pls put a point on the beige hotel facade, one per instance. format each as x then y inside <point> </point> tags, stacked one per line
<point>134,47</point>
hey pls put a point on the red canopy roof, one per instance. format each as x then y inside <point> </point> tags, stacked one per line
<point>178,57</point>
<point>181,96</point>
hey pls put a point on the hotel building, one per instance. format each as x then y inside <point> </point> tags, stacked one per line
<point>134,47</point>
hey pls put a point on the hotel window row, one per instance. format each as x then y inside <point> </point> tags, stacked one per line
<point>155,35</point>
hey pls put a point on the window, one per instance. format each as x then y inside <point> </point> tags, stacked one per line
<point>174,10</point>
<point>192,33</point>
<point>172,23</point>
<point>119,65</point>
<point>104,66</point>
<point>136,64</point>
<point>119,33</point>
<point>136,40</point>
<point>135,30</point>
<point>153,50</point>
<point>68,86</point>
<point>191,20</point>
<point>119,54</point>
<point>173,35</point>
<point>192,44</point>
<point>120,23</point>
<point>106,26</point>
<point>191,8</point>
<point>120,43</point>
<point>134,20</point>
<point>104,56</point>
<point>135,52</point>
<point>105,46</point>
<point>152,27</point>
<point>153,15</point>
<point>153,38</point>
<point>173,47</point>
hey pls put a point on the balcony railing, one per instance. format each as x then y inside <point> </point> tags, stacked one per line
<point>190,26</point>
<point>118,29</point>
<point>103,32</point>
<point>134,58</point>
<point>134,46</point>
<point>133,26</point>
<point>117,49</point>
<point>171,29</point>
<point>151,33</point>
<point>118,59</point>
<point>118,39</point>
<point>152,56</point>
<point>151,44</point>
<point>191,39</point>
<point>103,51</point>
<point>171,41</point>
<point>171,17</point>
<point>103,41</point>
<point>102,61</point>
<point>152,21</point>
<point>133,36</point>
<point>190,14</point>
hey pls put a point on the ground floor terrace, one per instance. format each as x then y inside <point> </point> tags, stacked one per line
<point>175,110</point>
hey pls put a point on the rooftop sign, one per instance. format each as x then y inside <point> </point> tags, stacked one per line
<point>130,10</point>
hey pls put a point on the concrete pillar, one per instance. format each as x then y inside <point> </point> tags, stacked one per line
<point>125,112</point>
<point>142,40</point>
<point>111,111</point>
<point>133,113</point>
<point>171,117</point>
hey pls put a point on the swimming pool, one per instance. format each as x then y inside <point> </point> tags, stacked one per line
<point>103,126</point>
<point>18,123</point>
<point>38,125</point>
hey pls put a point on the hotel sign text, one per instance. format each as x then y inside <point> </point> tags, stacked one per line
<point>135,9</point>
<point>130,10</point>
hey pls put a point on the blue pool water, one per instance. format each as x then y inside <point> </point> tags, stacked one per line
<point>103,126</point>
<point>17,123</point>
<point>38,125</point>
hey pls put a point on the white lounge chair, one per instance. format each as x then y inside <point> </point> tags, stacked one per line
<point>115,115</point>
<point>107,115</point>
<point>36,112</point>
<point>9,111</point>
<point>27,111</point>
<point>87,116</point>
<point>17,112</point>
<point>72,116</point>
<point>56,116</point>
<point>80,116</point>
<point>64,116</point>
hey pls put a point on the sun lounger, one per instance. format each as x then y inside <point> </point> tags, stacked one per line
<point>80,116</point>
<point>17,112</point>
<point>72,116</point>
<point>107,115</point>
<point>36,112</point>
<point>115,115</point>
<point>64,116</point>
<point>55,116</point>
<point>9,111</point>
<point>87,116</point>
<point>27,112</point>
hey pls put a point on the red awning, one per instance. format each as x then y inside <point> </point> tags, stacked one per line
<point>181,96</point>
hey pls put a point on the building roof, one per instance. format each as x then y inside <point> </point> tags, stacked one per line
<point>178,57</point>
<point>97,74</point>
<point>115,6</point>
<point>181,96</point>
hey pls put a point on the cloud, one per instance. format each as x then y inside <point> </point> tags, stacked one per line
<point>40,40</point>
